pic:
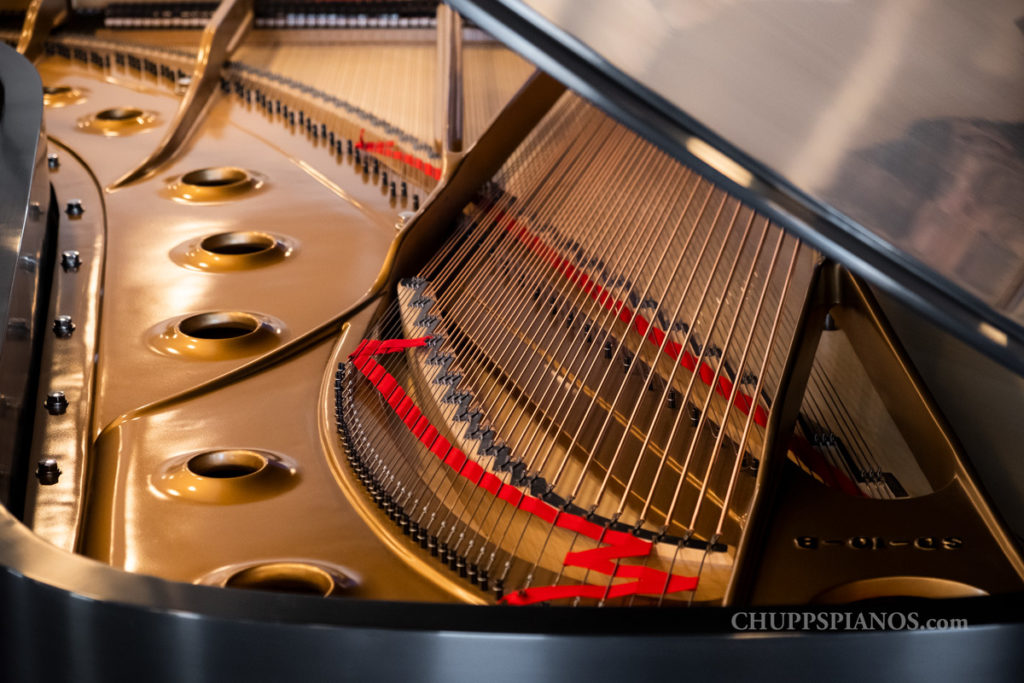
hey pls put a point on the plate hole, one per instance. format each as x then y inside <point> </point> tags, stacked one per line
<point>56,89</point>
<point>119,114</point>
<point>238,243</point>
<point>227,464</point>
<point>219,325</point>
<point>284,577</point>
<point>215,177</point>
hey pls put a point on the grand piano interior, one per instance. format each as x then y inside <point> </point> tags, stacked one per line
<point>412,340</point>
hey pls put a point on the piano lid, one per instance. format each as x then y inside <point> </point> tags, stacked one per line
<point>888,133</point>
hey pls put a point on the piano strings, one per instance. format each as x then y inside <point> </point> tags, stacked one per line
<point>568,391</point>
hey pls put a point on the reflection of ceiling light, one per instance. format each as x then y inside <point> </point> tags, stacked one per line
<point>720,162</point>
<point>993,333</point>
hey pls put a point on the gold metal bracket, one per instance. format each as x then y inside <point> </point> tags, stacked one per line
<point>221,37</point>
<point>40,18</point>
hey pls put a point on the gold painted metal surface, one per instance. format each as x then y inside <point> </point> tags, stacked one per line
<point>150,288</point>
<point>42,16</point>
<point>133,522</point>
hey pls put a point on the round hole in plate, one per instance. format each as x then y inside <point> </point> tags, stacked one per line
<point>120,114</point>
<point>230,464</point>
<point>220,176</point>
<point>56,89</point>
<point>219,325</point>
<point>284,577</point>
<point>238,243</point>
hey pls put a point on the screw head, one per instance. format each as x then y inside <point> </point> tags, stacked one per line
<point>52,160</point>
<point>47,471</point>
<point>63,326</point>
<point>70,260</point>
<point>74,208</point>
<point>56,403</point>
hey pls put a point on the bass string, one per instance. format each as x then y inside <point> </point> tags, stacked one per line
<point>669,515</point>
<point>670,225</point>
<point>697,220</point>
<point>715,268</point>
<point>496,211</point>
<point>568,451</point>
<point>705,411</point>
<point>606,326</point>
<point>715,538</point>
<point>503,361</point>
<point>718,447</point>
<point>453,409</point>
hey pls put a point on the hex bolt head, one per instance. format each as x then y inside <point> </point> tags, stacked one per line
<point>47,471</point>
<point>70,260</point>
<point>63,326</point>
<point>74,208</point>
<point>56,403</point>
<point>53,161</point>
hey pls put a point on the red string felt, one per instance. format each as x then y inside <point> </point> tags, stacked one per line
<point>601,560</point>
<point>387,148</point>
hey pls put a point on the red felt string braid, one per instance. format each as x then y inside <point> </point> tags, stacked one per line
<point>602,560</point>
<point>387,148</point>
